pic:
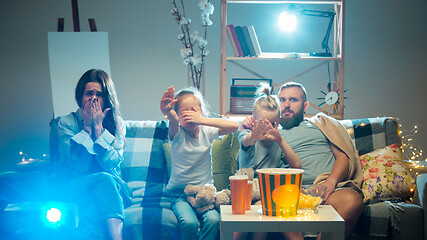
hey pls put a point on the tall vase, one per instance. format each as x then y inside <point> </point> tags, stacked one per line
<point>189,79</point>
<point>203,81</point>
<point>202,84</point>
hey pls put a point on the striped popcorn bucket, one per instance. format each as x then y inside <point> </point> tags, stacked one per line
<point>280,190</point>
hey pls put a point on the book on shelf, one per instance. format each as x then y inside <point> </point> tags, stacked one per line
<point>254,40</point>
<point>242,41</point>
<point>234,40</point>
<point>248,41</point>
<point>232,43</point>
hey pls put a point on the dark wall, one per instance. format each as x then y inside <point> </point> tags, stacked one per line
<point>385,73</point>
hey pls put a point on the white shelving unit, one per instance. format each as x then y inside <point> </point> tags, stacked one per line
<point>336,51</point>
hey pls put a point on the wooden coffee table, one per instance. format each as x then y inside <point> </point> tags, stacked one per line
<point>327,221</point>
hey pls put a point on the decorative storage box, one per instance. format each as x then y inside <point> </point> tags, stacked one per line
<point>242,94</point>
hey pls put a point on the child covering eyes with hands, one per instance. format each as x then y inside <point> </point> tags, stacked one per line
<point>191,134</point>
<point>264,147</point>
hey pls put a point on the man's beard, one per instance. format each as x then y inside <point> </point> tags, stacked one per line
<point>290,122</point>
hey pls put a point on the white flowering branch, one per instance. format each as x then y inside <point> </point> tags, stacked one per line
<point>194,50</point>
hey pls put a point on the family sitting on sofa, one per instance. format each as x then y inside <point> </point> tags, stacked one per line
<point>91,143</point>
<point>91,140</point>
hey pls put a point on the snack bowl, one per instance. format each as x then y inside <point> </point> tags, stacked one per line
<point>311,197</point>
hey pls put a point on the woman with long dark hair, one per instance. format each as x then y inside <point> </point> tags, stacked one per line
<point>90,149</point>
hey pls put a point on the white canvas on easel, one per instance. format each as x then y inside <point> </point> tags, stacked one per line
<point>70,55</point>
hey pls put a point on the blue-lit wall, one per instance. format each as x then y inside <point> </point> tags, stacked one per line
<point>385,47</point>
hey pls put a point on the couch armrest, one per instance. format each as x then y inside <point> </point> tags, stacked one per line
<point>420,197</point>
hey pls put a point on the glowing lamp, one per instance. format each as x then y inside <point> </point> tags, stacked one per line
<point>288,21</point>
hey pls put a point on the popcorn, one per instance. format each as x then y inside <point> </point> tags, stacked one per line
<point>308,201</point>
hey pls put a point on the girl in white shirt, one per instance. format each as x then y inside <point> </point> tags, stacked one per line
<point>191,134</point>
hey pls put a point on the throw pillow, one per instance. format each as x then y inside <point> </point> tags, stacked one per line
<point>384,174</point>
<point>221,161</point>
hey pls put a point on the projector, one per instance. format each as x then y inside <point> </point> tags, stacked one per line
<point>39,220</point>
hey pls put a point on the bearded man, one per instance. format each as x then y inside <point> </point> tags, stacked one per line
<point>327,154</point>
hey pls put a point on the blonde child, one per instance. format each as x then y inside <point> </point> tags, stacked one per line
<point>191,134</point>
<point>263,146</point>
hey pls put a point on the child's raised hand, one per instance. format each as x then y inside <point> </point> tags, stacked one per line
<point>260,128</point>
<point>273,133</point>
<point>168,100</point>
<point>247,123</point>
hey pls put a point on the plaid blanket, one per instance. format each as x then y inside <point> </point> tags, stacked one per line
<point>369,134</point>
<point>144,169</point>
<point>144,165</point>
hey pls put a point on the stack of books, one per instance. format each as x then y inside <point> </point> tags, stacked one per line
<point>244,41</point>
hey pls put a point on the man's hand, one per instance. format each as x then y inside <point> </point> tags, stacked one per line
<point>168,101</point>
<point>330,188</point>
<point>339,171</point>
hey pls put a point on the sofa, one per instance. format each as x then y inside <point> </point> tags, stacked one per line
<point>146,168</point>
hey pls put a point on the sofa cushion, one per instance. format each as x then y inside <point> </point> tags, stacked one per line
<point>144,164</point>
<point>368,134</point>
<point>223,161</point>
<point>409,224</point>
<point>150,223</point>
<point>387,220</point>
<point>385,175</point>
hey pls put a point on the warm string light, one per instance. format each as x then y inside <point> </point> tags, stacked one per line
<point>24,156</point>
<point>411,151</point>
<point>26,160</point>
